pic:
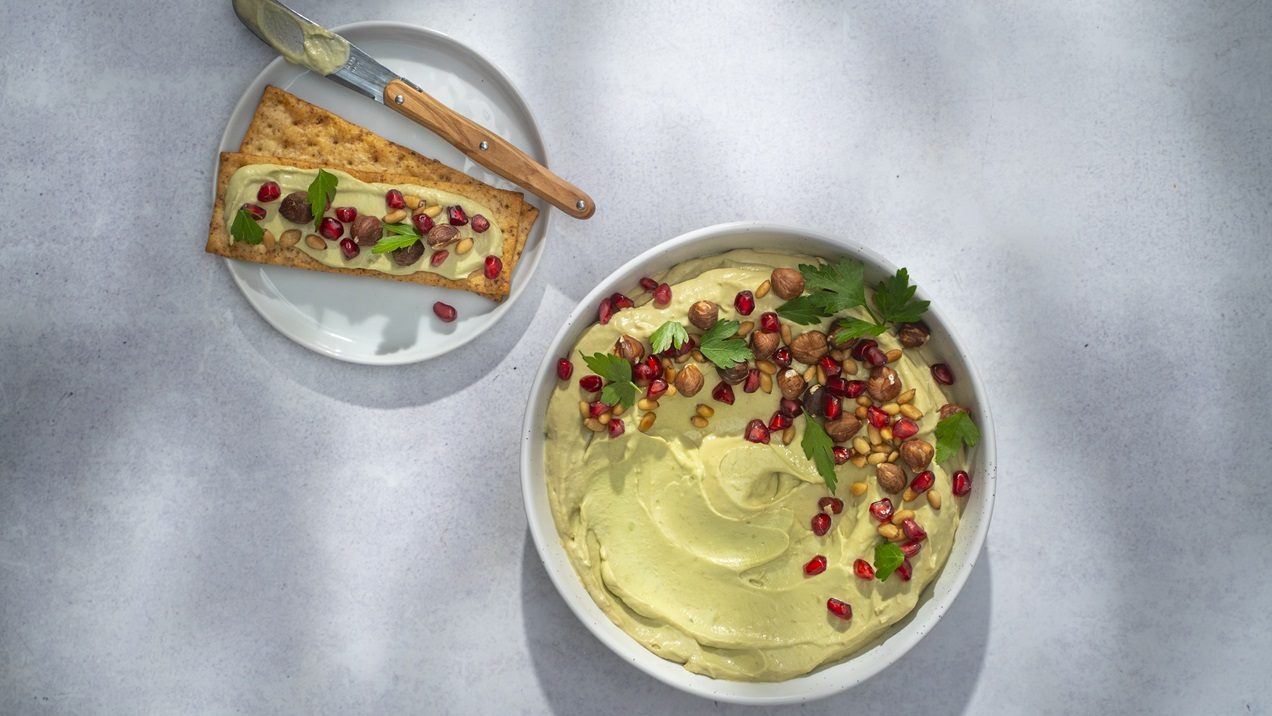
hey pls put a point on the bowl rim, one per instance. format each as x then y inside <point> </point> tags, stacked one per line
<point>901,637</point>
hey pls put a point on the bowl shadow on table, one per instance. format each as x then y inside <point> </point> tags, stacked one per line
<point>940,672</point>
<point>394,386</point>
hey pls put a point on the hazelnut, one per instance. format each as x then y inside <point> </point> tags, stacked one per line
<point>441,235</point>
<point>791,383</point>
<point>814,403</point>
<point>883,384</point>
<point>703,314</point>
<point>843,429</point>
<point>295,208</point>
<point>950,408</point>
<point>916,453</point>
<point>367,230</point>
<point>891,478</point>
<point>407,255</point>
<point>809,347</point>
<point>787,283</point>
<point>912,335</point>
<point>629,349</point>
<point>734,375</point>
<point>689,380</point>
<point>763,344</point>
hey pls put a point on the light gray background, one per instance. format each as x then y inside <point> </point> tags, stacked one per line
<point>197,515</point>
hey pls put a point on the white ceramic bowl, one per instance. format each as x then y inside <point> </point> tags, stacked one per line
<point>827,680</point>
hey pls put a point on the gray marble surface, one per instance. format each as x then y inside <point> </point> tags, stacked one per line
<point>198,516</point>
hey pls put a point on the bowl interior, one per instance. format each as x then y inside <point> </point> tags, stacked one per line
<point>826,680</point>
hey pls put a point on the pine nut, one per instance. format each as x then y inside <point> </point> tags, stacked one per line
<point>890,408</point>
<point>464,246</point>
<point>850,366</point>
<point>906,397</point>
<point>666,363</point>
<point>786,334</point>
<point>810,373</point>
<point>583,411</point>
<point>857,489</point>
<point>875,458</point>
<point>860,412</point>
<point>766,382</point>
<point>901,516</point>
<point>886,433</point>
<point>412,201</point>
<point>315,242</point>
<point>669,375</point>
<point>705,410</point>
<point>647,422</point>
<point>934,499</point>
<point>788,435</point>
<point>432,211</point>
<point>268,238</point>
<point>605,417</point>
<point>879,448</point>
<point>394,217</point>
<point>763,290</point>
<point>911,412</point>
<point>864,401</point>
<point>594,425</point>
<point>892,456</point>
<point>697,355</point>
<point>766,367</point>
<point>671,389</point>
<point>893,355</point>
<point>681,359</point>
<point>821,374</point>
<point>837,355</point>
<point>908,495</point>
<point>698,421</point>
<point>873,434</point>
<point>745,328</point>
<point>289,238</point>
<point>889,532</point>
<point>647,404</point>
<point>860,445</point>
<point>858,460</point>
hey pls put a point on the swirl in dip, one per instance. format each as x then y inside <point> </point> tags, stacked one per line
<point>694,540</point>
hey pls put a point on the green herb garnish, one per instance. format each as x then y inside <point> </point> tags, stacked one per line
<point>669,335</point>
<point>397,236</point>
<point>832,288</point>
<point>954,432</point>
<point>246,229</point>
<point>722,346</point>
<point>322,191</point>
<point>617,373</point>
<point>894,297</point>
<point>819,448</point>
<point>888,557</point>
<point>850,328</point>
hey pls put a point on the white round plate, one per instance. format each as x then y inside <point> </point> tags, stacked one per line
<point>363,320</point>
<point>936,599</point>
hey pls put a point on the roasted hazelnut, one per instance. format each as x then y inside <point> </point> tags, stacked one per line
<point>950,408</point>
<point>734,375</point>
<point>891,477</point>
<point>763,344</point>
<point>703,314</point>
<point>295,208</point>
<point>813,400</point>
<point>367,230</point>
<point>441,235</point>
<point>629,349</point>
<point>912,335</point>
<point>843,429</point>
<point>689,380</point>
<point>809,347</point>
<point>791,383</point>
<point>407,255</point>
<point>883,384</point>
<point>916,453</point>
<point>787,283</point>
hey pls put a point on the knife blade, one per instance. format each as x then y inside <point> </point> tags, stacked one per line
<point>303,42</point>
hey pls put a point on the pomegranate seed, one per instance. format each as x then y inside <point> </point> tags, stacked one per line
<point>565,369</point>
<point>862,569</point>
<point>394,199</point>
<point>962,483</point>
<point>480,223</point>
<point>791,408</point>
<point>752,382</point>
<point>349,248</point>
<point>855,388</point>
<point>876,357</point>
<point>912,530</point>
<point>689,346</point>
<point>604,312</point>
<point>905,571</point>
<point>833,407</point>
<point>881,510</point>
<point>619,301</point>
<point>922,481</point>
<point>438,257</point>
<point>816,565</point>
<point>656,388</point>
<point>830,365</point>
<point>648,283</point>
<point>820,523</point>
<point>780,422</point>
<point>841,454</point>
<point>346,214</point>
<point>835,504</point>
<point>782,357</point>
<point>590,383</point>
<point>942,373</point>
<point>641,374</point>
<point>256,212</point>
<point>836,386</point>
<point>911,548</point>
<point>423,223</point>
<point>616,427</point>
<point>877,417</point>
<point>723,393</point>
<point>444,311</point>
<point>596,408</point>
<point>905,429</point>
<point>744,302</point>
<point>757,432</point>
<point>268,192</point>
<point>769,323</point>
<point>330,228</point>
<point>862,345</point>
<point>494,266</point>
<point>843,610</point>
<point>662,295</point>
<point>456,216</point>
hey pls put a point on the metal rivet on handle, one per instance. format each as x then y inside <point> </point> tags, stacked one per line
<point>581,205</point>
<point>399,99</point>
<point>484,145</point>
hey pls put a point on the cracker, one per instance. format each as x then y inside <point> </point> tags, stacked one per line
<point>506,212</point>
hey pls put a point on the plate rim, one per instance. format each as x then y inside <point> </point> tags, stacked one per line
<point>530,256</point>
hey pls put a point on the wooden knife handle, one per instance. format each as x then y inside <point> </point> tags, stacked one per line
<point>498,155</point>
